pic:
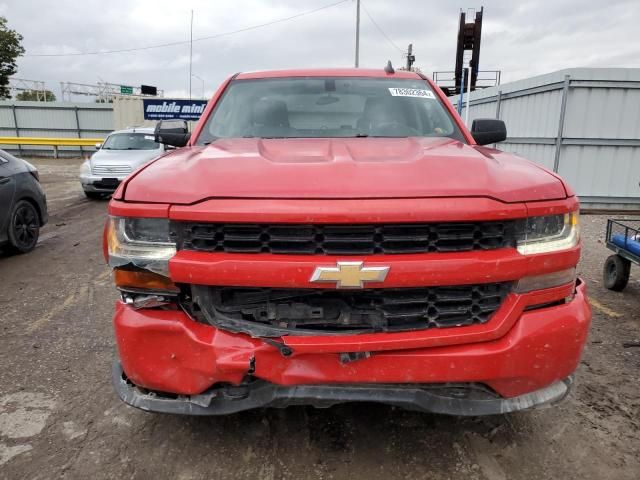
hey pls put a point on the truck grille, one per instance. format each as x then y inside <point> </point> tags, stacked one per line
<point>328,311</point>
<point>343,239</point>
<point>111,170</point>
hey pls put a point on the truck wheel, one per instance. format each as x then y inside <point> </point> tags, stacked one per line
<point>616,273</point>
<point>24,227</point>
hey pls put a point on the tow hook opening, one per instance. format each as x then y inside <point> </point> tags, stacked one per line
<point>252,366</point>
<point>349,357</point>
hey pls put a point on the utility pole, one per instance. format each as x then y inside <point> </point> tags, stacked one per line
<point>357,33</point>
<point>190,54</point>
<point>202,80</point>
<point>410,57</point>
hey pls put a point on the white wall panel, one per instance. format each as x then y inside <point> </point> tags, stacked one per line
<point>600,152</point>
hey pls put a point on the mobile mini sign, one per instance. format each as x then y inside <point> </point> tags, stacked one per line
<point>163,109</point>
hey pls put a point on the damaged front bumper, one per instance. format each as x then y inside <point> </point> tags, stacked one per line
<point>459,400</point>
<point>520,360</point>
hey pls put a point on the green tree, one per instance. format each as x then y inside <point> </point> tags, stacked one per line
<point>10,50</point>
<point>37,95</point>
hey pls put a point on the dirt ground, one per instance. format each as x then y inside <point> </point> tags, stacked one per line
<point>59,416</point>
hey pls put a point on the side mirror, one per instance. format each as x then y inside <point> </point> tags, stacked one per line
<point>98,146</point>
<point>174,133</point>
<point>488,130</point>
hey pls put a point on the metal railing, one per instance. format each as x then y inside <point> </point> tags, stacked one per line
<point>447,80</point>
<point>53,142</point>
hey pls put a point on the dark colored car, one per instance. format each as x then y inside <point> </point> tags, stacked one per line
<point>23,204</point>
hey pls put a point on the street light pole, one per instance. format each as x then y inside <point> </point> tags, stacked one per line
<point>357,33</point>
<point>202,80</point>
<point>190,54</point>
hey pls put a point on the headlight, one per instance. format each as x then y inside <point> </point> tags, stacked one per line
<point>548,234</point>
<point>142,242</point>
<point>85,168</point>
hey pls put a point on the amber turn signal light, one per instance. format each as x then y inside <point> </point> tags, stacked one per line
<point>141,279</point>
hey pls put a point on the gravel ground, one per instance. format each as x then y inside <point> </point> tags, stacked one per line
<point>59,417</point>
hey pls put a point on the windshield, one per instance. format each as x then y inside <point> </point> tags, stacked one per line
<point>130,141</point>
<point>320,107</point>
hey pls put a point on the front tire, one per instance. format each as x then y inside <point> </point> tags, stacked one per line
<point>616,273</point>
<point>24,227</point>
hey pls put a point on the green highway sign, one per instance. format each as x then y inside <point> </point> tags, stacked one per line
<point>124,90</point>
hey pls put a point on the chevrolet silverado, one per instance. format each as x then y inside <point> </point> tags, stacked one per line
<point>338,235</point>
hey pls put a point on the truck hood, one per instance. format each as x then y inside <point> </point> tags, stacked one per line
<point>340,169</point>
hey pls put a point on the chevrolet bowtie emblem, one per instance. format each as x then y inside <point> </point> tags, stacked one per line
<point>349,274</point>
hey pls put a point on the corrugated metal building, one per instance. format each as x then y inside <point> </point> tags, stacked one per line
<point>583,123</point>
<point>129,112</point>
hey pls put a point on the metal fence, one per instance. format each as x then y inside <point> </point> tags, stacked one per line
<point>54,119</point>
<point>583,123</point>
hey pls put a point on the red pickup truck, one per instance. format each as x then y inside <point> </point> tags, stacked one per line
<point>338,235</point>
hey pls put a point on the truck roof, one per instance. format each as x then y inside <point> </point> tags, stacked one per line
<point>328,72</point>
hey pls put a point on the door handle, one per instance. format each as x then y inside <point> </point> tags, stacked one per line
<point>4,180</point>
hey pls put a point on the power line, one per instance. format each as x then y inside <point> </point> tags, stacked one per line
<point>184,42</point>
<point>380,30</point>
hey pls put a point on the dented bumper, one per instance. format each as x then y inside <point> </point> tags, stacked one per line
<point>521,356</point>
<point>461,400</point>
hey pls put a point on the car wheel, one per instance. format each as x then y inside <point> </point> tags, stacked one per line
<point>616,273</point>
<point>94,195</point>
<point>24,228</point>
